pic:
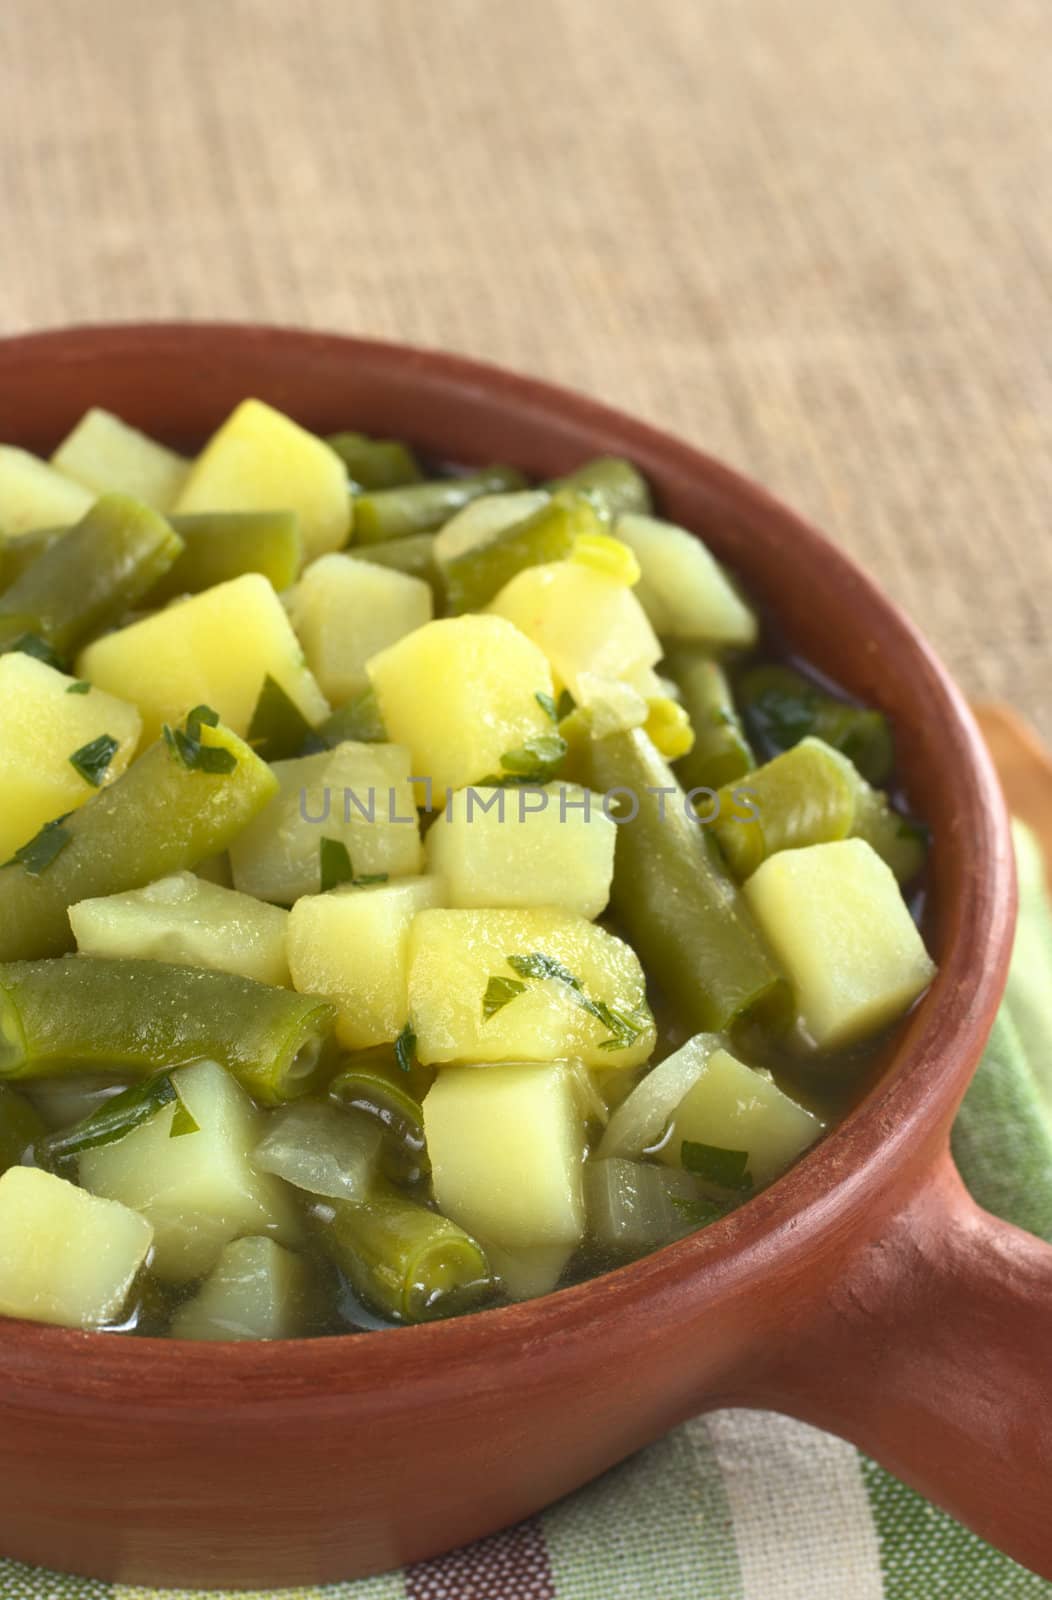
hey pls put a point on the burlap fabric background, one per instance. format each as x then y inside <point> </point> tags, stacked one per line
<point>813,235</point>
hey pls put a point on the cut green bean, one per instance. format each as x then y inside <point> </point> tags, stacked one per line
<point>422,507</point>
<point>781,707</point>
<point>87,1014</point>
<point>683,914</point>
<point>375,463</point>
<point>899,841</point>
<point>370,1085</point>
<point>472,579</point>
<point>18,553</point>
<point>161,816</point>
<point>414,555</point>
<point>804,796</point>
<point>615,485</point>
<point>21,1126</point>
<point>84,582</point>
<point>406,1262</point>
<point>721,751</point>
<point>220,545</point>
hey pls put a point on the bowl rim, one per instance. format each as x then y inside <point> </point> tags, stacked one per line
<point>891,1137</point>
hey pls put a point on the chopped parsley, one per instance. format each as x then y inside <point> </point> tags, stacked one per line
<point>336,868</point>
<point>726,1168</point>
<point>31,644</point>
<point>92,760</point>
<point>278,728</point>
<point>624,1028</point>
<point>536,761</point>
<point>405,1048</point>
<point>186,744</point>
<point>82,686</point>
<point>43,848</point>
<point>547,704</point>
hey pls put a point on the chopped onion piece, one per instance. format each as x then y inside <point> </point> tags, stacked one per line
<point>322,1149</point>
<point>634,1207</point>
<point>640,1121</point>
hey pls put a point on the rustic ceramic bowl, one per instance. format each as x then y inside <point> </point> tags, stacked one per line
<point>864,1291</point>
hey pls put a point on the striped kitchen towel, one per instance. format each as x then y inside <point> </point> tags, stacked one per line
<point>744,1505</point>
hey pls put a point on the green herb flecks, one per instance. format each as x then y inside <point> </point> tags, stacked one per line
<point>185,743</point>
<point>278,728</point>
<point>405,1048</point>
<point>623,1027</point>
<point>115,1119</point>
<point>337,868</point>
<point>43,848</point>
<point>92,760</point>
<point>82,686</point>
<point>726,1168</point>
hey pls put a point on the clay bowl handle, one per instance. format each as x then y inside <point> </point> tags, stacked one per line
<point>933,1354</point>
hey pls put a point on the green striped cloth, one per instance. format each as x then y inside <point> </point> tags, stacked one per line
<point>748,1506</point>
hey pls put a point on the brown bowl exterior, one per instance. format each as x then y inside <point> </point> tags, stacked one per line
<point>304,1462</point>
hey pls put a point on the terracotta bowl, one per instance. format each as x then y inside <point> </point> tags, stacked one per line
<point>864,1291</point>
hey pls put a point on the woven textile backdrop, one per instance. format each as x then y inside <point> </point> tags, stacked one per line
<point>814,237</point>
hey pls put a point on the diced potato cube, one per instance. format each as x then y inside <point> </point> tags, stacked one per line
<point>199,1190</point>
<point>461,693</point>
<point>734,1107</point>
<point>836,920</point>
<point>346,610</point>
<point>34,495</point>
<point>530,1271</point>
<point>65,1256</point>
<point>352,945</point>
<point>107,456</point>
<point>42,723</point>
<point>188,921</point>
<point>214,649</point>
<point>506,1145</point>
<point>257,1290</point>
<point>552,846</point>
<point>584,620</point>
<point>484,519</point>
<point>260,460</point>
<point>684,590</point>
<point>357,794</point>
<point>453,955</point>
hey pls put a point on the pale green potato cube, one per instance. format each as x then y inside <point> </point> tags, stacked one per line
<point>65,1256</point>
<point>199,1190</point>
<point>215,649</point>
<point>482,520</point>
<point>835,918</point>
<point>588,623</point>
<point>357,794</point>
<point>33,495</point>
<point>506,1144</point>
<point>460,693</point>
<point>734,1107</point>
<point>260,460</point>
<point>42,724</point>
<point>107,456</point>
<point>683,589</point>
<point>529,1271</point>
<point>453,955</point>
<point>186,920</point>
<point>345,610</point>
<point>352,946</point>
<point>551,846</point>
<point>256,1290</point>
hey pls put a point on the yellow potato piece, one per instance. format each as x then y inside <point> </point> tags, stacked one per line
<point>506,1144</point>
<point>214,649</point>
<point>734,1107</point>
<point>454,954</point>
<point>352,946</point>
<point>107,456</point>
<point>260,460</point>
<point>835,918</point>
<point>586,622</point>
<point>34,495</point>
<point>41,725</point>
<point>461,693</point>
<point>65,1256</point>
<point>345,610</point>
